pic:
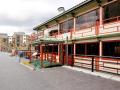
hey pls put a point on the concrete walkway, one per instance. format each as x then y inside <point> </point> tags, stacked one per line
<point>14,76</point>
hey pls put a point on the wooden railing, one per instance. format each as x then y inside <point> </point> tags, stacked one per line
<point>110,20</point>
<point>107,64</point>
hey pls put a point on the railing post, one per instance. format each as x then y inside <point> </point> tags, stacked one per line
<point>72,57</point>
<point>93,64</point>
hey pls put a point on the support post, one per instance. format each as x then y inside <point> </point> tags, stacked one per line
<point>52,54</point>
<point>74,49</point>
<point>100,48</point>
<point>67,50</point>
<point>58,52</point>
<point>73,54</point>
<point>92,64</point>
<point>101,15</point>
<point>30,54</point>
<point>100,54</point>
<point>41,55</point>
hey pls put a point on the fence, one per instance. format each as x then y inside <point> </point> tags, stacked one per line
<point>96,63</point>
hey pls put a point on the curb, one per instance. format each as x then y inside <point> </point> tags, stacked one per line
<point>100,74</point>
<point>27,66</point>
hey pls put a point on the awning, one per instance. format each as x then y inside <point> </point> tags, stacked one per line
<point>48,41</point>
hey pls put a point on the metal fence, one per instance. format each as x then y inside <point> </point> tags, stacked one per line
<point>96,63</point>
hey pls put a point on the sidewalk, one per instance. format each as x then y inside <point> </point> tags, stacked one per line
<point>100,74</point>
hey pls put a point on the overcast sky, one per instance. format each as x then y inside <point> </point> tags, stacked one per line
<point>23,15</point>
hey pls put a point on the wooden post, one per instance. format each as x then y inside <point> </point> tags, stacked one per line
<point>92,64</point>
<point>52,53</point>
<point>58,52</point>
<point>100,48</point>
<point>41,55</point>
<point>61,57</point>
<point>100,54</point>
<point>45,51</point>
<point>101,15</point>
<point>85,48</point>
<point>30,53</point>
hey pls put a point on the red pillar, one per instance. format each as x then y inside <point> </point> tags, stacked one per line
<point>58,52</point>
<point>100,54</point>
<point>41,55</point>
<point>101,16</point>
<point>97,27</point>
<point>30,54</point>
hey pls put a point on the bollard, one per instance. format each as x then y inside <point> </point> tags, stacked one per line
<point>92,64</point>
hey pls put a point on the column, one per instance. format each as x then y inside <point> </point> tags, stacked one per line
<point>74,24</point>
<point>30,53</point>
<point>101,15</point>
<point>74,29</point>
<point>58,28</point>
<point>100,54</point>
<point>41,55</point>
<point>58,53</point>
<point>100,48</point>
<point>74,49</point>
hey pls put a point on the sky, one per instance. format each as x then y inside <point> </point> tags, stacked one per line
<point>23,15</point>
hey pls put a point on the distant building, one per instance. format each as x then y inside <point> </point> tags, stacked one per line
<point>3,42</point>
<point>10,39</point>
<point>20,40</point>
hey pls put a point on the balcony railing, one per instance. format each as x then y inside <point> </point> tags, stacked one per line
<point>110,20</point>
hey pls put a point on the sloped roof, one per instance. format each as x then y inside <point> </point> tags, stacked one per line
<point>65,12</point>
<point>48,41</point>
<point>3,35</point>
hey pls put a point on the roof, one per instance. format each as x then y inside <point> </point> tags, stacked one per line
<point>65,12</point>
<point>19,33</point>
<point>48,41</point>
<point>3,35</point>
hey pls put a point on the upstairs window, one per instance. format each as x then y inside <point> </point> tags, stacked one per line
<point>66,26</point>
<point>111,11</point>
<point>87,20</point>
<point>53,32</point>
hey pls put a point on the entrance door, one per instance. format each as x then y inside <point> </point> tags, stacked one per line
<point>65,57</point>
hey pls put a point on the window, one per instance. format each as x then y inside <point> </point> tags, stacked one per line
<point>53,32</point>
<point>111,49</point>
<point>66,26</point>
<point>112,10</point>
<point>80,49</point>
<point>87,20</point>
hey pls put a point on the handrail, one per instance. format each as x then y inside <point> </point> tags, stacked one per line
<point>112,57</point>
<point>98,63</point>
<point>113,18</point>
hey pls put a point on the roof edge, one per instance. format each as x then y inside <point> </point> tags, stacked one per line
<point>65,12</point>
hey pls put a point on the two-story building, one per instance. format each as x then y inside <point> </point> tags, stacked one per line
<point>89,28</point>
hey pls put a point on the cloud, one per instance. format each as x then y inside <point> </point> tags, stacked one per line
<point>18,15</point>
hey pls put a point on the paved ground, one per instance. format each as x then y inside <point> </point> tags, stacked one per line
<point>14,76</point>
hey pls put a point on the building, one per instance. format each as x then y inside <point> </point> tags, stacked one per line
<point>90,28</point>
<point>20,40</point>
<point>3,42</point>
<point>10,39</point>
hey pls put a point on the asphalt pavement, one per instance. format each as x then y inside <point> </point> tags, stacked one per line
<point>14,76</point>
